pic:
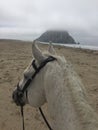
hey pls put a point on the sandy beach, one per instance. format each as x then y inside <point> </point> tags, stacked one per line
<point>15,57</point>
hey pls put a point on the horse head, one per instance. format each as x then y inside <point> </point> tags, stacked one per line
<point>34,93</point>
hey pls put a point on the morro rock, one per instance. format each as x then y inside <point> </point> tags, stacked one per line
<point>56,37</point>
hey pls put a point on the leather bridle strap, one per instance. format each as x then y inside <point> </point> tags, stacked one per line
<point>22,115</point>
<point>37,70</point>
<point>48,125</point>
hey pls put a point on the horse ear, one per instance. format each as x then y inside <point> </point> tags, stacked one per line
<point>37,53</point>
<point>51,49</point>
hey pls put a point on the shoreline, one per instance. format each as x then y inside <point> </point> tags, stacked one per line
<point>77,46</point>
<point>80,46</point>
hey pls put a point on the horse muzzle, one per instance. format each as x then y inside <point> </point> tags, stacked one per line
<point>18,97</point>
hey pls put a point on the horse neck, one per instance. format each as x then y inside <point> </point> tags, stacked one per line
<point>67,105</point>
<point>62,113</point>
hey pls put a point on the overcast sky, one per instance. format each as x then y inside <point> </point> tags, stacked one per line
<point>28,19</point>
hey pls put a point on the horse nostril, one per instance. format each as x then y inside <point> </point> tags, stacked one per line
<point>20,95</point>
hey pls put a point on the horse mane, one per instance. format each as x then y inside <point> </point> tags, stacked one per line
<point>87,114</point>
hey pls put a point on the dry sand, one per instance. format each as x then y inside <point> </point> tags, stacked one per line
<point>14,58</point>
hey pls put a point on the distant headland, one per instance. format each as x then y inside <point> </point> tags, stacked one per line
<point>56,37</point>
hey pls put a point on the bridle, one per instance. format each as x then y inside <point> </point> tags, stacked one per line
<point>20,92</point>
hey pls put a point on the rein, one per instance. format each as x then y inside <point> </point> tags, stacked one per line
<point>20,92</point>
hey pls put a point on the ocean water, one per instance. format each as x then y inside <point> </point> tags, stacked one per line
<point>90,47</point>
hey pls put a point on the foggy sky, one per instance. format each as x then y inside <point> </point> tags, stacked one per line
<point>28,19</point>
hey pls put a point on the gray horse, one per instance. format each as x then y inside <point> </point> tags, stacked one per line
<point>60,86</point>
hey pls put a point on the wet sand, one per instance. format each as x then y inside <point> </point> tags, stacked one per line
<point>15,57</point>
